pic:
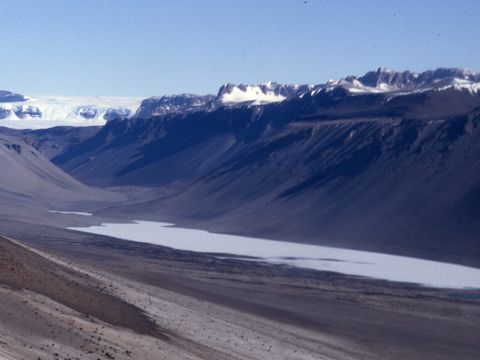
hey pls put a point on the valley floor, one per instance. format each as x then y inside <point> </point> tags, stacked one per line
<point>68,295</point>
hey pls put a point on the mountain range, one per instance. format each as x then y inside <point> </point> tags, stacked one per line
<point>35,112</point>
<point>387,161</point>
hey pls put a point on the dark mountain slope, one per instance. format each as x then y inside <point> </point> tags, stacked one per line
<point>147,141</point>
<point>398,174</point>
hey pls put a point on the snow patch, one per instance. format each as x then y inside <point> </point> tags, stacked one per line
<point>253,94</point>
<point>70,212</point>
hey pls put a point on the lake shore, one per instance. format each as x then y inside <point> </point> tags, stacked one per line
<point>219,308</point>
<point>323,258</point>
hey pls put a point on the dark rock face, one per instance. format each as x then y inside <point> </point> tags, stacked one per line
<point>7,96</point>
<point>382,76</point>
<point>24,111</point>
<point>15,147</point>
<point>410,80</point>
<point>173,104</point>
<point>116,114</point>
<point>4,113</point>
<point>88,112</point>
<point>187,103</point>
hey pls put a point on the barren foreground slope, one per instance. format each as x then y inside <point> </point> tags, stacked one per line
<point>139,301</point>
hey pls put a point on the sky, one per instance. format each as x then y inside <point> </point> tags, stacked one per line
<point>144,48</point>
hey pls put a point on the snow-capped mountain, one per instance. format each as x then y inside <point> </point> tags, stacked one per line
<point>382,80</point>
<point>229,95</point>
<point>36,112</point>
<point>385,81</point>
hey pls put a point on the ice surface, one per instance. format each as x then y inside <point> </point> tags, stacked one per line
<point>65,111</point>
<point>344,261</point>
<point>70,212</point>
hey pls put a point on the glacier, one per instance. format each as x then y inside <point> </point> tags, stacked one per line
<point>39,112</point>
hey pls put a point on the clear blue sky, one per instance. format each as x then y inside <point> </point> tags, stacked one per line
<point>143,48</point>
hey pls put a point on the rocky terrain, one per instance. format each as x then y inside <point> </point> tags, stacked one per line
<point>92,297</point>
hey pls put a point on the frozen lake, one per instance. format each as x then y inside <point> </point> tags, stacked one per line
<point>350,262</point>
